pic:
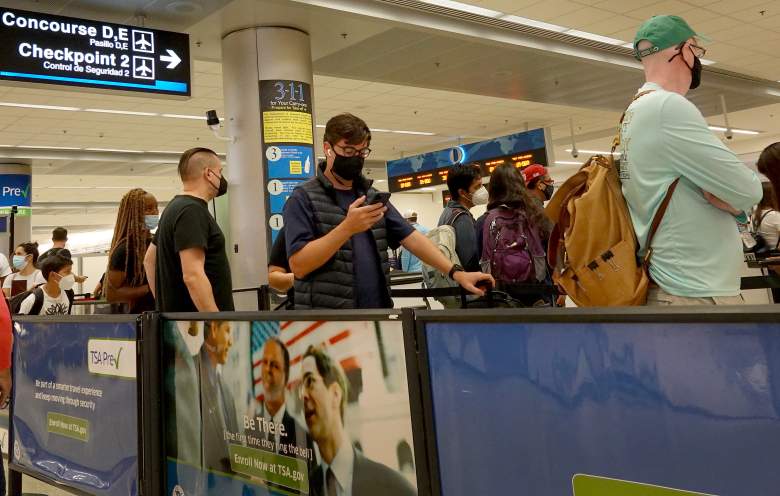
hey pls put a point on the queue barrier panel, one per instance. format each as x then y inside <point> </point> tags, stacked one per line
<point>74,414</point>
<point>220,437</point>
<point>608,402</point>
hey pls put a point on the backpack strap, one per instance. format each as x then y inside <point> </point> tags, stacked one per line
<point>659,216</point>
<point>457,213</point>
<point>38,303</point>
<point>71,296</point>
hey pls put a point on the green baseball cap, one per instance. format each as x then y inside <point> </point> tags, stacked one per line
<point>663,32</point>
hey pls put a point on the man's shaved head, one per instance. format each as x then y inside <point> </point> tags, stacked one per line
<point>194,160</point>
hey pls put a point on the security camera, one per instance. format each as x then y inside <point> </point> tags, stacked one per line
<point>729,134</point>
<point>575,153</point>
<point>212,121</point>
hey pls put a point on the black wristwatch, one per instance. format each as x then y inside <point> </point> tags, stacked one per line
<point>455,268</point>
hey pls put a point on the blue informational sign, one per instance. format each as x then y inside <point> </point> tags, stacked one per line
<point>523,408</point>
<point>75,404</point>
<point>472,152</point>
<point>289,161</point>
<point>278,193</point>
<point>15,190</point>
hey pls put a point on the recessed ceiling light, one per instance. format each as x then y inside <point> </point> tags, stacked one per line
<point>181,116</point>
<point>34,106</point>
<point>464,7</point>
<point>594,37</point>
<point>123,112</point>
<point>524,21</point>
<point>113,150</point>
<point>44,147</point>
<point>420,133</point>
<point>594,152</point>
<point>735,131</point>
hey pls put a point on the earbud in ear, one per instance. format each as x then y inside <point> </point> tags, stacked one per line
<point>328,152</point>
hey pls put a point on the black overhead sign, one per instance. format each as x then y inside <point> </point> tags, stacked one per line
<point>45,48</point>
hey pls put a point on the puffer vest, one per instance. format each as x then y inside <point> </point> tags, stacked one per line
<point>332,286</point>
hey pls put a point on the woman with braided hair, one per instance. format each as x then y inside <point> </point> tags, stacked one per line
<point>125,285</point>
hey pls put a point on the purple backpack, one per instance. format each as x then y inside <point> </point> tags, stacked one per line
<point>512,251</point>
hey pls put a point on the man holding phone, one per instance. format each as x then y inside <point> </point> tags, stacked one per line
<point>339,229</point>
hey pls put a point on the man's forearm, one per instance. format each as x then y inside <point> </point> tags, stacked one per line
<point>316,253</point>
<point>201,292</point>
<point>427,252</point>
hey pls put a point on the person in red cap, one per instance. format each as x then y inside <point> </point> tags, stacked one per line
<point>538,182</point>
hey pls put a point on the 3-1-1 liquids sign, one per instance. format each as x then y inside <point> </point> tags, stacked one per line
<point>44,48</point>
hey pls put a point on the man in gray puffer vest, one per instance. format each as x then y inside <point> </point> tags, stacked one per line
<point>337,243</point>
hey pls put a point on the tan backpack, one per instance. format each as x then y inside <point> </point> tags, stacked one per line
<point>594,239</point>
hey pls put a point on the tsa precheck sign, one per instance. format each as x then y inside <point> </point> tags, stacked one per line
<point>112,357</point>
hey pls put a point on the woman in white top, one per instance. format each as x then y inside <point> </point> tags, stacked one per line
<point>28,276</point>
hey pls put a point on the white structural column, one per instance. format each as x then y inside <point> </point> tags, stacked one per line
<point>15,190</point>
<point>250,56</point>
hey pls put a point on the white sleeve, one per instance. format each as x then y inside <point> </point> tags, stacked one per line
<point>5,269</point>
<point>771,222</point>
<point>27,304</point>
<point>8,281</point>
<point>38,280</point>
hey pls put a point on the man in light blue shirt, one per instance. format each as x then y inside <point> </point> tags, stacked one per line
<point>697,252</point>
<point>409,262</point>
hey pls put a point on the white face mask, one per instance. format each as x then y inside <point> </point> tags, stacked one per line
<point>67,282</point>
<point>480,196</point>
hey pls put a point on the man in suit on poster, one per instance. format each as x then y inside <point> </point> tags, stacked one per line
<point>344,471</point>
<point>217,404</point>
<point>275,373</point>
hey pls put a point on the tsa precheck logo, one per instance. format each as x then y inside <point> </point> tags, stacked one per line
<point>15,190</point>
<point>112,357</point>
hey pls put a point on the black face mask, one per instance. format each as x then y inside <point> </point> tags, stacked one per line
<point>549,189</point>
<point>223,185</point>
<point>695,70</point>
<point>348,168</point>
<point>695,73</point>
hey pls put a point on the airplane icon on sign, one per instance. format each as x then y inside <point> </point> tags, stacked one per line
<point>143,43</point>
<point>143,69</point>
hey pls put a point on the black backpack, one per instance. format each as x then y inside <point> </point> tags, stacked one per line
<point>15,302</point>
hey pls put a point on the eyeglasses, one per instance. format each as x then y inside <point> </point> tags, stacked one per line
<point>351,151</point>
<point>698,51</point>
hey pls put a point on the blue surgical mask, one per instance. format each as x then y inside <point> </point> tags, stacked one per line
<point>151,221</point>
<point>20,262</point>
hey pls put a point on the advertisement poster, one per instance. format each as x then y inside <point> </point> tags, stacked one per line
<point>75,404</point>
<point>287,408</point>
<point>288,138</point>
<point>606,409</point>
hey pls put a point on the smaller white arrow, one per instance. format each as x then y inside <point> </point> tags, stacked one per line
<point>172,59</point>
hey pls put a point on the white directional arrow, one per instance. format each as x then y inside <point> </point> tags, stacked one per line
<point>172,59</point>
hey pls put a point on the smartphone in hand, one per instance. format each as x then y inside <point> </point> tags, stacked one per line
<point>378,197</point>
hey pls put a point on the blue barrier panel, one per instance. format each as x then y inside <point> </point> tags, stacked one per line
<point>74,418</point>
<point>521,408</point>
<point>241,419</point>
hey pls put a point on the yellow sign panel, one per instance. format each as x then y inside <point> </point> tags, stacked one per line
<point>287,127</point>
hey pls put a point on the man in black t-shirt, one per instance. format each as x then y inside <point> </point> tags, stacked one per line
<point>186,263</point>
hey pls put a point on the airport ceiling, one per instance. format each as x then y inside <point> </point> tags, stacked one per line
<point>404,65</point>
